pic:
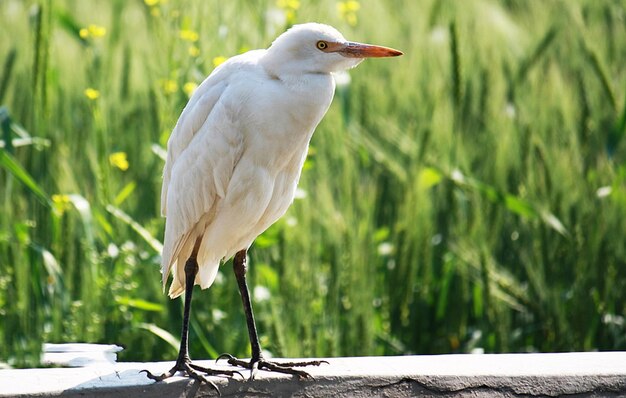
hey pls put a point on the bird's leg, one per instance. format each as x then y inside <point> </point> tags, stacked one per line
<point>183,362</point>
<point>257,361</point>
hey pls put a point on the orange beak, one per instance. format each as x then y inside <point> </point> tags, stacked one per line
<point>360,50</point>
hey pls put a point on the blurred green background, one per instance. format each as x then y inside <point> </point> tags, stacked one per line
<point>468,196</point>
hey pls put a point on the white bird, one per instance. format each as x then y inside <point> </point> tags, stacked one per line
<point>234,160</point>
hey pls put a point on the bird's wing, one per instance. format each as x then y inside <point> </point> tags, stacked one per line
<point>203,150</point>
<point>189,123</point>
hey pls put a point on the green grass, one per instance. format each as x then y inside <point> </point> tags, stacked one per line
<point>470,194</point>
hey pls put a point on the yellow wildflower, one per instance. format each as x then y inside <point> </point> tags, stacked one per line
<point>189,88</point>
<point>92,93</point>
<point>347,11</point>
<point>194,51</point>
<point>218,60</point>
<point>188,35</point>
<point>92,31</point>
<point>151,3</point>
<point>289,7</point>
<point>97,31</point>
<point>288,4</point>
<point>348,6</point>
<point>119,160</point>
<point>61,203</point>
<point>169,86</point>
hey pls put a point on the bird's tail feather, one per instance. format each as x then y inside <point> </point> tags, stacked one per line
<point>208,266</point>
<point>174,261</point>
<point>205,278</point>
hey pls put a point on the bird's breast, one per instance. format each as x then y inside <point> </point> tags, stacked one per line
<point>279,118</point>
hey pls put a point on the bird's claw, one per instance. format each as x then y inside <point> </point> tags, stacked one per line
<point>279,367</point>
<point>218,373</point>
<point>193,371</point>
<point>224,355</point>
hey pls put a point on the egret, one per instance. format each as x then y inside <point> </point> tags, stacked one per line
<point>233,163</point>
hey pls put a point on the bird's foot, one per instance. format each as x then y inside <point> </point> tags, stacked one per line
<point>193,371</point>
<point>281,367</point>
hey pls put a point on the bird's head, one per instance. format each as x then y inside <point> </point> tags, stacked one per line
<point>318,48</point>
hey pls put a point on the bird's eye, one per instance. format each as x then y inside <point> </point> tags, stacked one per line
<point>322,45</point>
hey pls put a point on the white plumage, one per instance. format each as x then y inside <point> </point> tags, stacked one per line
<point>235,155</point>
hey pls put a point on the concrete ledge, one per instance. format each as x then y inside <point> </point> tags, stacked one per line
<point>491,375</point>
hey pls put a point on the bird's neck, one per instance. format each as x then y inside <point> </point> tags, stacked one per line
<point>289,70</point>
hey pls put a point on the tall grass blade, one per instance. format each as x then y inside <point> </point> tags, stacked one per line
<point>139,304</point>
<point>161,333</point>
<point>70,25</point>
<point>455,66</point>
<point>601,74</point>
<point>83,208</point>
<point>125,193</point>
<point>159,151</point>
<point>7,71</point>
<point>22,142</point>
<point>536,55</point>
<point>10,164</point>
<point>36,20</point>
<point>204,341</point>
<point>5,125</point>
<point>144,233</point>
<point>512,203</point>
